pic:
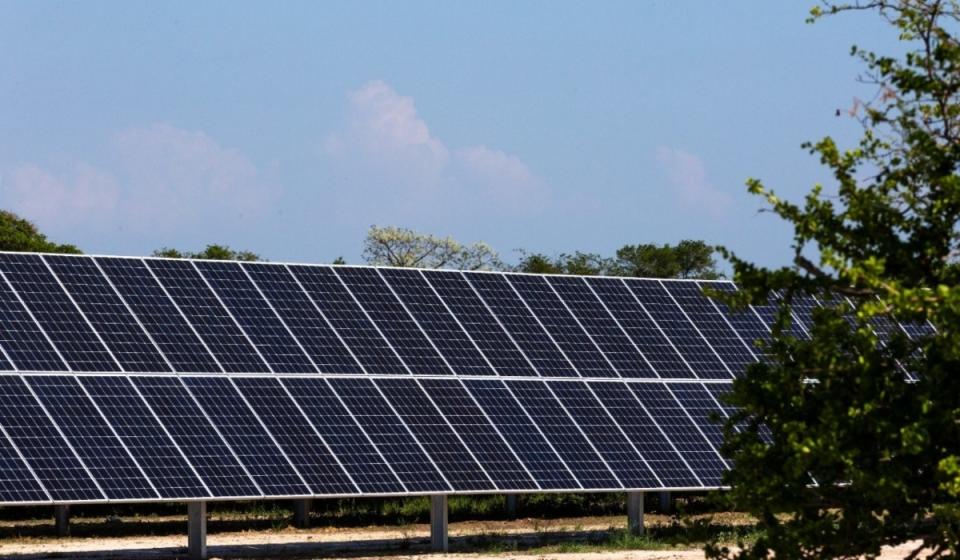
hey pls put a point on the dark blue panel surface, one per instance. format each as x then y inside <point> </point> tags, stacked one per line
<point>487,446</point>
<point>42,446</point>
<point>194,434</point>
<point>295,435</point>
<point>572,446</point>
<point>523,326</point>
<point>645,435</point>
<point>344,436</point>
<point>143,435</point>
<point>735,353</point>
<point>751,328</point>
<point>393,320</point>
<point>208,316</point>
<point>702,408</point>
<point>250,442</point>
<point>56,314</point>
<point>348,319</point>
<point>388,433</point>
<point>436,320</point>
<point>302,317</point>
<point>604,434</point>
<point>562,326</point>
<point>255,317</point>
<point>17,484</point>
<point>436,436</point>
<point>522,434</point>
<point>640,327</point>
<point>158,315</point>
<point>670,416</point>
<point>603,329</point>
<point>470,311</point>
<point>678,328</point>
<point>105,310</point>
<point>101,451</point>
<point>22,338</point>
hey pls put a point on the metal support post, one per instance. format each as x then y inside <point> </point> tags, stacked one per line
<point>635,513</point>
<point>438,523</point>
<point>197,530</point>
<point>666,502</point>
<point>301,513</point>
<point>61,518</point>
<point>512,505</point>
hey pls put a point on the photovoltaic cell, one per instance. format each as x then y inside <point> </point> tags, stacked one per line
<point>640,327</point>
<point>48,454</point>
<point>348,319</point>
<point>390,435</point>
<point>523,326</point>
<point>645,435</point>
<point>250,442</point>
<point>393,320</point>
<point>480,436</point>
<point>105,310</point>
<point>572,446</point>
<point>682,333</point>
<point>194,434</point>
<point>748,324</point>
<point>307,324</point>
<point>477,320</point>
<point>56,314</point>
<point>295,435</point>
<point>158,315</point>
<point>704,410</point>
<point>712,325</point>
<point>88,433</point>
<point>143,435</point>
<point>22,338</point>
<point>211,321</point>
<point>601,326</point>
<point>435,435</point>
<point>521,433</point>
<point>255,317</point>
<point>682,432</point>
<point>562,326</point>
<point>429,311</point>
<point>344,436</point>
<point>604,435</point>
<point>17,484</point>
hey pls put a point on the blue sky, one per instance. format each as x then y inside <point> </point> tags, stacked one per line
<point>290,128</point>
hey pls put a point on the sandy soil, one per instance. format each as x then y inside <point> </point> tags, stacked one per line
<point>397,543</point>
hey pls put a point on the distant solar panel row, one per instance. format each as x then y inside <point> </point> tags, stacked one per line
<point>75,438</point>
<point>106,314</point>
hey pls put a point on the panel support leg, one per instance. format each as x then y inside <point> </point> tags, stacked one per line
<point>301,513</point>
<point>666,502</point>
<point>197,530</point>
<point>438,523</point>
<point>61,518</point>
<point>635,513</point>
<point>512,505</point>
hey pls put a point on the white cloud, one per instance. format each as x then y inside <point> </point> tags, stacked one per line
<point>160,178</point>
<point>385,142</point>
<point>687,176</point>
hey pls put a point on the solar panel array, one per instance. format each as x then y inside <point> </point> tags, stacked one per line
<point>131,379</point>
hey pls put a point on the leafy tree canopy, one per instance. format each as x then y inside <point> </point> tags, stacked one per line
<point>17,234</point>
<point>687,259</point>
<point>852,455</point>
<point>212,252</point>
<point>393,246</point>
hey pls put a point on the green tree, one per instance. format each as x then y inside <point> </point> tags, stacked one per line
<point>393,246</point>
<point>687,259</point>
<point>584,264</point>
<point>17,234</point>
<point>852,455</point>
<point>211,252</point>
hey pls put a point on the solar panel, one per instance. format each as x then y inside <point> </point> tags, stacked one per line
<point>158,379</point>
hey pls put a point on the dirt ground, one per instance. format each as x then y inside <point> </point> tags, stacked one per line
<point>472,540</point>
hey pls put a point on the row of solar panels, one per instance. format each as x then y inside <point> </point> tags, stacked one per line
<point>110,314</point>
<point>74,438</point>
